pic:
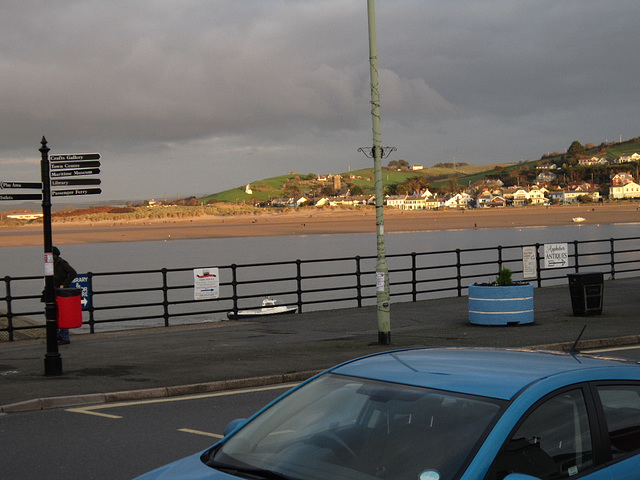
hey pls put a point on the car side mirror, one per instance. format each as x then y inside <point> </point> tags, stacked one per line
<point>520,476</point>
<point>234,425</point>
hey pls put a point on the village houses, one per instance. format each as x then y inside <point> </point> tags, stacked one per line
<point>489,193</point>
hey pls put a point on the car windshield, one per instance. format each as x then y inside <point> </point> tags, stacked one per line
<point>343,427</point>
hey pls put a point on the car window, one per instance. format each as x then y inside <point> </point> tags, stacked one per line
<point>347,428</point>
<point>621,406</point>
<point>554,441</point>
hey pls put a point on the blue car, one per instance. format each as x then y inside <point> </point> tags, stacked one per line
<point>440,414</point>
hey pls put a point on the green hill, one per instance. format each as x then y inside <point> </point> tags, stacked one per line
<point>437,177</point>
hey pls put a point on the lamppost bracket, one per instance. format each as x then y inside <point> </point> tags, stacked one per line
<point>370,152</point>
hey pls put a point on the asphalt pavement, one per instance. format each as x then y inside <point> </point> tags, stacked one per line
<point>160,362</point>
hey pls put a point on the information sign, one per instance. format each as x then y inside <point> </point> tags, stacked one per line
<point>33,185</point>
<point>67,182</point>
<point>76,191</point>
<point>21,196</point>
<point>556,255</point>
<point>82,282</point>
<point>74,157</point>
<point>529,267</point>
<point>72,165</point>
<point>75,173</point>
<point>206,283</point>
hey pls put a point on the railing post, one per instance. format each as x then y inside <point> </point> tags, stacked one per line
<point>538,273</point>
<point>234,287</point>
<point>92,320</point>
<point>458,272</point>
<point>7,280</point>
<point>499,259</point>
<point>358,281</point>
<point>613,258</point>
<point>414,277</point>
<point>165,297</point>
<point>576,256</point>
<point>299,283</point>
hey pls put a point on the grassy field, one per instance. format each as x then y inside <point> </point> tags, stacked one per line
<point>619,149</point>
<point>275,187</point>
<point>437,177</point>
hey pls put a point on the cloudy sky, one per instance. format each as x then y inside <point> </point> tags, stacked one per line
<point>189,97</point>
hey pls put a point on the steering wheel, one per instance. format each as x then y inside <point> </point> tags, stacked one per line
<point>331,441</point>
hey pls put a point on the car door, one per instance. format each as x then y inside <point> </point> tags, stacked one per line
<point>620,406</point>
<point>554,440</point>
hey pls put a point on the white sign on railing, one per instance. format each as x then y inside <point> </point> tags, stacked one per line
<point>556,255</point>
<point>206,283</point>
<point>529,267</point>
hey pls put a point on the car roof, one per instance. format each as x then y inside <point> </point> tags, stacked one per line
<point>497,373</point>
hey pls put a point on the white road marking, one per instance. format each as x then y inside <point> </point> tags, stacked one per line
<point>612,349</point>
<point>200,432</point>
<point>93,409</point>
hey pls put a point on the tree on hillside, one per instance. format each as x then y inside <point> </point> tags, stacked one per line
<point>357,190</point>
<point>576,149</point>
<point>292,190</point>
<point>398,164</point>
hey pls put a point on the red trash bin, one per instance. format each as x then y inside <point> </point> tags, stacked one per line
<point>69,311</point>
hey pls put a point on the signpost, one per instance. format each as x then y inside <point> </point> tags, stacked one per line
<point>56,167</point>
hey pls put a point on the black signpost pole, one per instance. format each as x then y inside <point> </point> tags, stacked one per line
<point>52,359</point>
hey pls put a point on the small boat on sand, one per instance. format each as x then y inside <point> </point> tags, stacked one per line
<point>578,219</point>
<point>269,307</point>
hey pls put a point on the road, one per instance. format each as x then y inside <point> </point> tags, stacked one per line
<point>122,441</point>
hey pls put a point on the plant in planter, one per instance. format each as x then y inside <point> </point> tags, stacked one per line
<point>503,302</point>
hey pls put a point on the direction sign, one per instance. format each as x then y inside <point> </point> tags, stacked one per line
<point>82,282</point>
<point>556,255</point>
<point>72,181</point>
<point>34,185</point>
<point>76,191</point>
<point>76,164</point>
<point>75,173</point>
<point>21,196</point>
<point>74,157</point>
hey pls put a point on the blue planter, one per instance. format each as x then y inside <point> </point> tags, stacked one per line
<point>493,305</point>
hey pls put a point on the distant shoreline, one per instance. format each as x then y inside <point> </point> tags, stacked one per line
<point>308,221</point>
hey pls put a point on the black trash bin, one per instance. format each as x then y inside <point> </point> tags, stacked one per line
<point>586,292</point>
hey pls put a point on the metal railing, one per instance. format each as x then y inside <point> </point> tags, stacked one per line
<point>144,298</point>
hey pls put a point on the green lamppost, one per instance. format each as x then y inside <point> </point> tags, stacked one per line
<point>377,152</point>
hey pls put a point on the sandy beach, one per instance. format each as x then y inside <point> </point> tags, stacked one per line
<point>318,222</point>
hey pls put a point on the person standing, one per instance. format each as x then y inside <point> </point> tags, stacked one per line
<point>63,275</point>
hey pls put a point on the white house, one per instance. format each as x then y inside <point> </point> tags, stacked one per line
<point>627,190</point>
<point>571,195</point>
<point>459,200</point>
<point>634,157</point>
<point>593,161</point>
